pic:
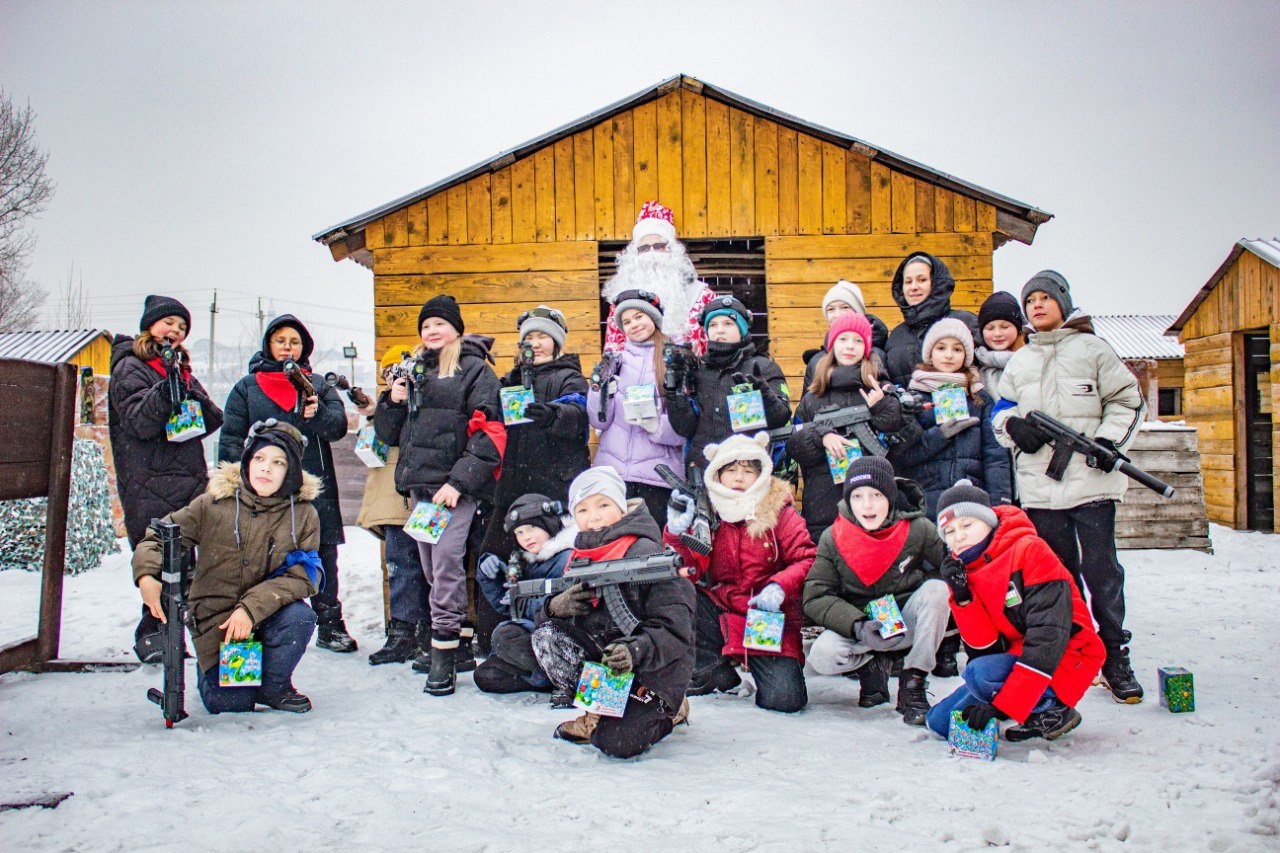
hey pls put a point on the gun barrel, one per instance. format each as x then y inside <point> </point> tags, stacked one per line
<point>1081,443</point>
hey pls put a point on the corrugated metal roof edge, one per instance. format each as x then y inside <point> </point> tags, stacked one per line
<point>45,347</point>
<point>1029,213</point>
<point>1203,294</point>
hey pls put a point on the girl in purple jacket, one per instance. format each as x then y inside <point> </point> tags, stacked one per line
<point>635,434</point>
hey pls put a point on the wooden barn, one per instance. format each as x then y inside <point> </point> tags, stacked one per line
<point>1231,330</point>
<point>1151,355</point>
<point>772,208</point>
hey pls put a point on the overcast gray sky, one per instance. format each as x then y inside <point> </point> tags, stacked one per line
<point>197,146</point>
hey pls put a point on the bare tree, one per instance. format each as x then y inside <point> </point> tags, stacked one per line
<point>20,304</point>
<point>24,193</point>
<point>75,303</point>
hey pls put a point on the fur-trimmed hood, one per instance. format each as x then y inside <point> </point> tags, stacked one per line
<point>562,541</point>
<point>225,481</point>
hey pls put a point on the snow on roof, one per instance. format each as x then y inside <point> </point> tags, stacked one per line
<point>1138,335</point>
<point>47,347</point>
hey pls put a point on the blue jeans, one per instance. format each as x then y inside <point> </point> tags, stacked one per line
<point>407,586</point>
<point>284,637</point>
<point>983,678</point>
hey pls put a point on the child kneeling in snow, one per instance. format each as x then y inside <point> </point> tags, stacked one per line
<point>760,555</point>
<point>881,544</point>
<point>545,538</point>
<point>1034,649</point>
<point>257,535</point>
<point>574,626</point>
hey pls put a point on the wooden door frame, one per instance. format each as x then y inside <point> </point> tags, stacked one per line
<point>1241,429</point>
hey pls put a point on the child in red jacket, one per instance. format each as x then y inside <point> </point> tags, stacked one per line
<point>760,555</point>
<point>1035,650</point>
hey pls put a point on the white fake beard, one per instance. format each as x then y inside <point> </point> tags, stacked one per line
<point>670,275</point>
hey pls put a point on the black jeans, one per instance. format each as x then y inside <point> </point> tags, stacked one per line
<point>511,666</point>
<point>1084,538</point>
<point>654,497</point>
<point>779,679</point>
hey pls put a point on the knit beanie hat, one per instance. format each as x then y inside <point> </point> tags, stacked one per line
<point>1052,283</point>
<point>726,306</point>
<point>1001,306</point>
<point>393,356</point>
<point>537,510</point>
<point>156,308</point>
<point>446,308</point>
<point>964,500</point>
<point>308,343</point>
<point>948,327</point>
<point>601,480</point>
<point>656,219</point>
<point>871,471</point>
<point>730,505</point>
<point>919,259</point>
<point>549,321</point>
<point>643,301</point>
<point>855,323</point>
<point>845,291</point>
<point>277,434</point>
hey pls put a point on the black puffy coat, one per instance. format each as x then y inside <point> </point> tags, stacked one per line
<point>542,460</point>
<point>154,476</point>
<point>821,493</point>
<point>713,376</point>
<point>879,337</point>
<point>902,350</point>
<point>435,447</point>
<point>249,403</point>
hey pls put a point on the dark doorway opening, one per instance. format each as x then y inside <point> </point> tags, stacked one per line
<point>1259,462</point>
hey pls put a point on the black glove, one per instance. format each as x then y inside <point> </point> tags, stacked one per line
<point>542,414</point>
<point>977,716</point>
<point>617,656</point>
<point>956,577</point>
<point>1108,458</point>
<point>1027,437</point>
<point>574,601</point>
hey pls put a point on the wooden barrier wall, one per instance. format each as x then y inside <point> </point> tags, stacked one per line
<point>1147,520</point>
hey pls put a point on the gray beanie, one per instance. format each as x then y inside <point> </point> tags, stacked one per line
<point>845,291</point>
<point>643,301</point>
<point>601,480</point>
<point>948,327</point>
<point>965,500</point>
<point>549,321</point>
<point>1055,285</point>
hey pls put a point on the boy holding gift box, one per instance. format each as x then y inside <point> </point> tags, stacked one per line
<point>1035,652</point>
<point>574,626</point>
<point>760,555</point>
<point>257,533</point>
<point>880,544</point>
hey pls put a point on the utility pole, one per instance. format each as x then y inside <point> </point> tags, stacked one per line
<point>213,318</point>
<point>262,319</point>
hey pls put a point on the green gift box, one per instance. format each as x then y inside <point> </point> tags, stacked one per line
<point>1177,689</point>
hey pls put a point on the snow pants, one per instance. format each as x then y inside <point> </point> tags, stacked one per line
<point>445,571</point>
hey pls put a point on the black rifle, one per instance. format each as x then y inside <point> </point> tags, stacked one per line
<point>698,537</point>
<point>602,381</point>
<point>355,392</point>
<point>606,577</point>
<point>172,374</point>
<point>852,420</point>
<point>526,364</point>
<point>680,365</point>
<point>295,374</point>
<point>1067,441</point>
<point>172,699</point>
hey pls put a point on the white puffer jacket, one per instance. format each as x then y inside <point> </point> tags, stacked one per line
<point>1076,377</point>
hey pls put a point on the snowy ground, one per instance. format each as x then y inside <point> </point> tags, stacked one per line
<point>379,762</point>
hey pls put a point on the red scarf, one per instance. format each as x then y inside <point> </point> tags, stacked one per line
<point>496,431</point>
<point>279,389</point>
<point>615,550</point>
<point>869,554</point>
<point>158,366</point>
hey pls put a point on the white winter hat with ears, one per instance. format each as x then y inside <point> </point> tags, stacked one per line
<point>730,505</point>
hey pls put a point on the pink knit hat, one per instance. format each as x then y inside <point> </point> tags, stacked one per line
<point>851,322</point>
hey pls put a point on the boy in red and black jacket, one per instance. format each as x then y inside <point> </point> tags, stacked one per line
<point>1035,650</point>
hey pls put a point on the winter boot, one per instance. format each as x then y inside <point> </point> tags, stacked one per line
<point>579,729</point>
<point>561,699</point>
<point>913,701</point>
<point>465,660</point>
<point>874,677</point>
<point>287,699</point>
<point>331,631</point>
<point>682,716</point>
<point>1118,675</point>
<point>723,678</point>
<point>443,676</point>
<point>401,644</point>
<point>946,666</point>
<point>150,648</point>
<point>1050,725</point>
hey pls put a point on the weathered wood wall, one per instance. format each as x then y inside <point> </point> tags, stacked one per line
<point>1147,520</point>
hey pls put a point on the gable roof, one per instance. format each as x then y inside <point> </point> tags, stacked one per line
<point>1267,249</point>
<point>1017,219</point>
<point>1138,335</point>
<point>47,347</point>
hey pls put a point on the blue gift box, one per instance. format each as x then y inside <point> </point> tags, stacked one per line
<point>967,743</point>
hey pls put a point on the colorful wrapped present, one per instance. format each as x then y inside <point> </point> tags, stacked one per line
<point>427,522</point>
<point>966,743</point>
<point>746,411</point>
<point>240,664</point>
<point>602,691</point>
<point>370,450</point>
<point>840,466</point>
<point>186,423</point>
<point>639,403</point>
<point>514,401</point>
<point>1177,689</point>
<point>885,611</point>
<point>764,630</point>
<point>950,404</point>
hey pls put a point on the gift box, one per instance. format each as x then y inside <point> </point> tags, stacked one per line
<point>950,404</point>
<point>764,630</point>
<point>186,423</point>
<point>514,401</point>
<point>240,664</point>
<point>639,403</point>
<point>885,611</point>
<point>427,522</point>
<point>602,691</point>
<point>966,743</point>
<point>840,467</point>
<point>746,411</point>
<point>1177,689</point>
<point>369,449</point>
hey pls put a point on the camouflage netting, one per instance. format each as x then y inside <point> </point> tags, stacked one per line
<point>90,532</point>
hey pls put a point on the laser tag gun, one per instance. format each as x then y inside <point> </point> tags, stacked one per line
<point>606,576</point>
<point>849,421</point>
<point>296,375</point>
<point>172,699</point>
<point>680,363</point>
<point>514,566</point>
<point>1067,441</point>
<point>526,364</point>
<point>354,392</point>
<point>414,372</point>
<point>912,401</point>
<point>172,373</point>
<point>602,380</point>
<point>698,537</point>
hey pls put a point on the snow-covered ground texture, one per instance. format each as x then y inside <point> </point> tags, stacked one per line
<point>378,762</point>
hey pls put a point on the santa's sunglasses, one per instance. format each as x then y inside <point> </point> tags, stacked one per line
<point>651,247</point>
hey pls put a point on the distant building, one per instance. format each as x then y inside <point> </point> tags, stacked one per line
<point>81,347</point>
<point>1154,357</point>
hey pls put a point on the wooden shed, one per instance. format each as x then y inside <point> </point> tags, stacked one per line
<point>772,208</point>
<point>1154,357</point>
<point>1231,330</point>
<point>81,347</point>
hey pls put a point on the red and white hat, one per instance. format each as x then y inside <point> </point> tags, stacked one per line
<point>655,218</point>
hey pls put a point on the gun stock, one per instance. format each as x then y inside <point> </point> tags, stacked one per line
<point>606,577</point>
